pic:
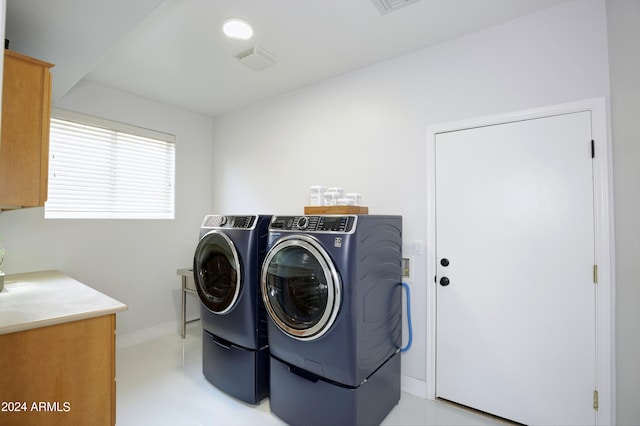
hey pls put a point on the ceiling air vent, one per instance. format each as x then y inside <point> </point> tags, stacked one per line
<point>256,58</point>
<point>386,6</point>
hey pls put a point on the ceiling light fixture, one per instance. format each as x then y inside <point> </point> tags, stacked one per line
<point>237,29</point>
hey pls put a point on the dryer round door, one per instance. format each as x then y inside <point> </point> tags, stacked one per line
<point>301,288</point>
<point>217,272</point>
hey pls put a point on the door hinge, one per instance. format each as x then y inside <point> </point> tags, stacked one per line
<point>595,274</point>
<point>595,400</point>
<point>593,149</point>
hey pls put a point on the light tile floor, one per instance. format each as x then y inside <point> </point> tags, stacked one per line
<point>160,382</point>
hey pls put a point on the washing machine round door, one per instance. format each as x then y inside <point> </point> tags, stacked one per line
<point>300,287</point>
<point>216,268</point>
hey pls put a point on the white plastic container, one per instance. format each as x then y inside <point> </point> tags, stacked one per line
<point>330,198</point>
<point>336,189</point>
<point>316,197</point>
<point>353,199</point>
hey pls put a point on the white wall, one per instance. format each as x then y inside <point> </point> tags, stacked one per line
<point>623,17</point>
<point>134,261</point>
<point>366,130</point>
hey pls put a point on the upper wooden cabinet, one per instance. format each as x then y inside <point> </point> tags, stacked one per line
<point>24,149</point>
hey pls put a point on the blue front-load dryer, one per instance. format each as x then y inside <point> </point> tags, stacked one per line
<point>331,285</point>
<point>226,268</point>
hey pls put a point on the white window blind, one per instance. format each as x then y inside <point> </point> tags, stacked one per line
<point>103,169</point>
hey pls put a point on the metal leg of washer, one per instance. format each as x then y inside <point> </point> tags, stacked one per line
<point>185,273</point>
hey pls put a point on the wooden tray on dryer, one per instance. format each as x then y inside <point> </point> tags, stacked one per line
<point>336,210</point>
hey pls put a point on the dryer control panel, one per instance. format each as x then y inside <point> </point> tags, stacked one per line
<point>323,223</point>
<point>229,222</point>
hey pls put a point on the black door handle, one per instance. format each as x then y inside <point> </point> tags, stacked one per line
<point>444,281</point>
<point>444,262</point>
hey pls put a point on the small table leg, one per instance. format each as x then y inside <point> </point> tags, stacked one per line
<point>186,274</point>
<point>184,306</point>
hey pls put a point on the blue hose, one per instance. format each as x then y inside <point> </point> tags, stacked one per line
<point>409,325</point>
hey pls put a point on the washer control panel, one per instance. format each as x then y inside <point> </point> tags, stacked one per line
<point>322,223</point>
<point>229,222</point>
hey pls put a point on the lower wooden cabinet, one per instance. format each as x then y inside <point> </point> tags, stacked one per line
<point>59,375</point>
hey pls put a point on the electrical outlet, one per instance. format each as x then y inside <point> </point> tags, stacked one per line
<point>406,269</point>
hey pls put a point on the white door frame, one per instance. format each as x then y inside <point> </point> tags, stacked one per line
<point>604,240</point>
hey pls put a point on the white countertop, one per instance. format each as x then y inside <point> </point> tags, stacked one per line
<point>40,299</point>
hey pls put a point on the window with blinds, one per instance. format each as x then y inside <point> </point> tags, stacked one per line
<point>101,169</point>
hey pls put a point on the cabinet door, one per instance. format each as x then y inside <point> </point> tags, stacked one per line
<point>62,374</point>
<point>24,152</point>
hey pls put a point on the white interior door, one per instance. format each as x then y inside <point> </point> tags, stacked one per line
<point>515,326</point>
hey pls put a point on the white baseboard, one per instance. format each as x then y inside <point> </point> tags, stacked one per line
<point>413,386</point>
